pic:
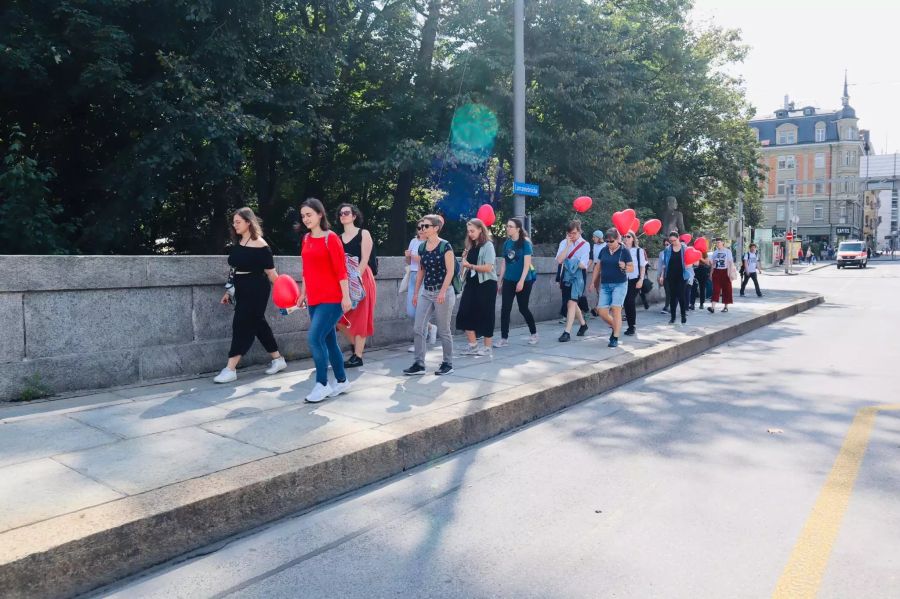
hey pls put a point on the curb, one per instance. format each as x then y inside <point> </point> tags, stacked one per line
<point>84,550</point>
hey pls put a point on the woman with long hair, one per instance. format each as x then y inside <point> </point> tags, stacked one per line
<point>479,297</point>
<point>517,276</point>
<point>359,323</point>
<point>636,279</point>
<point>253,272</point>
<point>324,288</point>
<point>434,294</point>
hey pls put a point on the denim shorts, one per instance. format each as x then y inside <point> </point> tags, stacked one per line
<point>612,294</point>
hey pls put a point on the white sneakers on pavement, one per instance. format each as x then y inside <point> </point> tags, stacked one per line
<point>501,342</point>
<point>338,388</point>
<point>277,365</point>
<point>226,376</point>
<point>533,340</point>
<point>319,393</point>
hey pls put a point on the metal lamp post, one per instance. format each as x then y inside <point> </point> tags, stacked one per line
<point>519,105</point>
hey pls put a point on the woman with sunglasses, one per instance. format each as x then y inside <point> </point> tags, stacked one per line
<point>518,277</point>
<point>434,294</point>
<point>635,279</point>
<point>611,279</point>
<point>359,323</point>
<point>325,290</point>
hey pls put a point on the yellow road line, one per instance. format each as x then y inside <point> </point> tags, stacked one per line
<point>804,571</point>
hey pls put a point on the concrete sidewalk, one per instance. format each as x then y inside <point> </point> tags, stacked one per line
<point>97,487</point>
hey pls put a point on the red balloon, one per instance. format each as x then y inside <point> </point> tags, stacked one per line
<point>285,292</point>
<point>582,204</point>
<point>685,237</point>
<point>630,212</point>
<point>652,226</point>
<point>635,225</point>
<point>486,214</point>
<point>692,256</point>
<point>701,244</point>
<point>622,222</point>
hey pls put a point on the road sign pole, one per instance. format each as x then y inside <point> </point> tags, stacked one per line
<point>519,104</point>
<point>790,225</point>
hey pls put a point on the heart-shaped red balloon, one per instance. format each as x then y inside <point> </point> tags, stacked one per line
<point>622,222</point>
<point>692,256</point>
<point>285,291</point>
<point>486,215</point>
<point>685,238</point>
<point>630,212</point>
<point>652,226</point>
<point>582,204</point>
<point>635,225</point>
<point>701,244</point>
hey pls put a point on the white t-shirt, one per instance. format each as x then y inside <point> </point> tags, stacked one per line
<point>597,249</point>
<point>721,258</point>
<point>414,251</point>
<point>636,273</point>
<point>583,254</point>
<point>752,259</point>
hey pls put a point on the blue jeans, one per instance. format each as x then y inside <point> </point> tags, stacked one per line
<point>410,292</point>
<point>323,341</point>
<point>612,294</point>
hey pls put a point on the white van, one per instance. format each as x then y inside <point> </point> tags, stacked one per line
<point>852,253</point>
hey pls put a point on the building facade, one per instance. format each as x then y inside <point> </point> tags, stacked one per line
<point>812,160</point>
<point>882,176</point>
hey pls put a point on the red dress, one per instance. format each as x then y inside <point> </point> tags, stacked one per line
<point>362,317</point>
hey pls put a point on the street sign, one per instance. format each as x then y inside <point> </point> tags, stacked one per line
<point>842,230</point>
<point>526,189</point>
<point>789,236</point>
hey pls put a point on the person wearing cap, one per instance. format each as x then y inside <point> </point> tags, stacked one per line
<point>598,245</point>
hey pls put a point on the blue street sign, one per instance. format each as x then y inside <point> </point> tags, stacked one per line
<point>526,189</point>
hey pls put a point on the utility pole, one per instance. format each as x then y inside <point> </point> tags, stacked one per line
<point>741,224</point>
<point>788,252</point>
<point>519,105</point>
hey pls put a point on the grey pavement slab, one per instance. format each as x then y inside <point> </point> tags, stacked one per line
<point>137,465</point>
<point>41,438</point>
<point>145,417</point>
<point>288,428</point>
<point>40,489</point>
<point>15,412</point>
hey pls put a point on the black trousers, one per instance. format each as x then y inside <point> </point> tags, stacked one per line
<point>747,277</point>
<point>702,278</point>
<point>507,294</point>
<point>677,296</point>
<point>251,296</point>
<point>630,298</point>
<point>567,295</point>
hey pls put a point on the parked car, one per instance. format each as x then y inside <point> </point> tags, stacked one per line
<point>852,253</point>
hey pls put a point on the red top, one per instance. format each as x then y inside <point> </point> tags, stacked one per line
<point>323,268</point>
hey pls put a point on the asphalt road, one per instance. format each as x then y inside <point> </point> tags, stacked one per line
<point>749,471</point>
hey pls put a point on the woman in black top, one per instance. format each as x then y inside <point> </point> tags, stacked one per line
<point>359,323</point>
<point>253,269</point>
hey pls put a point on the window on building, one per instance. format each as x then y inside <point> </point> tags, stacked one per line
<point>779,212</point>
<point>818,212</point>
<point>843,214</point>
<point>787,137</point>
<point>820,132</point>
<point>820,187</point>
<point>849,157</point>
<point>786,162</point>
<point>820,159</point>
<point>779,190</point>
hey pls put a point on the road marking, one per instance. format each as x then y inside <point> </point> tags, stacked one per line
<point>804,571</point>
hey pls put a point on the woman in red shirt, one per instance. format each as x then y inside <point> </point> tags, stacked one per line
<point>325,290</point>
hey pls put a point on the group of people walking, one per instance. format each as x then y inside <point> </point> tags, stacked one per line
<point>338,287</point>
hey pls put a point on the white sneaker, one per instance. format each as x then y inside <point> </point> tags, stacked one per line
<point>470,350</point>
<point>533,340</point>
<point>337,388</point>
<point>319,393</point>
<point>484,352</point>
<point>226,376</point>
<point>432,334</point>
<point>411,348</point>
<point>501,342</point>
<point>277,365</point>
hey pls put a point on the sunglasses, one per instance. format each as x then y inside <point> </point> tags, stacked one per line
<point>423,226</point>
<point>610,239</point>
<point>346,213</point>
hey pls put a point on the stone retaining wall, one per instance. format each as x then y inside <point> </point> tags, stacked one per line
<point>73,323</point>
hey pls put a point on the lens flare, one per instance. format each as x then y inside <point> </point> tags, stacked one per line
<point>473,131</point>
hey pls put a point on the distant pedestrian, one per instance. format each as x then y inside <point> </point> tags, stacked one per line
<point>611,280</point>
<point>674,273</point>
<point>722,262</point>
<point>252,274</point>
<point>701,279</point>
<point>665,287</point>
<point>518,276</point>
<point>572,259</point>
<point>477,306</point>
<point>809,254</point>
<point>326,291</point>
<point>597,244</point>
<point>636,279</point>
<point>359,323</point>
<point>435,294</point>
<point>750,261</point>
<point>412,259</point>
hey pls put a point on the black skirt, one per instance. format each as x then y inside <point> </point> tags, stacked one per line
<point>477,307</point>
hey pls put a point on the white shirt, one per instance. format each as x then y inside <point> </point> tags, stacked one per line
<point>721,258</point>
<point>414,251</point>
<point>582,255</point>
<point>752,261</point>
<point>597,249</point>
<point>636,273</point>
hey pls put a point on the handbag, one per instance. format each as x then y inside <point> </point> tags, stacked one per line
<point>354,282</point>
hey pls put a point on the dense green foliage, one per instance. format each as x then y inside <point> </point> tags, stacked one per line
<point>136,126</point>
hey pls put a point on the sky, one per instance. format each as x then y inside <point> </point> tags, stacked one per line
<point>801,48</point>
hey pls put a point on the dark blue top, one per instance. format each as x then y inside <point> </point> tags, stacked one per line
<point>609,265</point>
<point>515,258</point>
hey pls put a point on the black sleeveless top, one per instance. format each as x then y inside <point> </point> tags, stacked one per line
<point>354,246</point>
<point>247,259</point>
